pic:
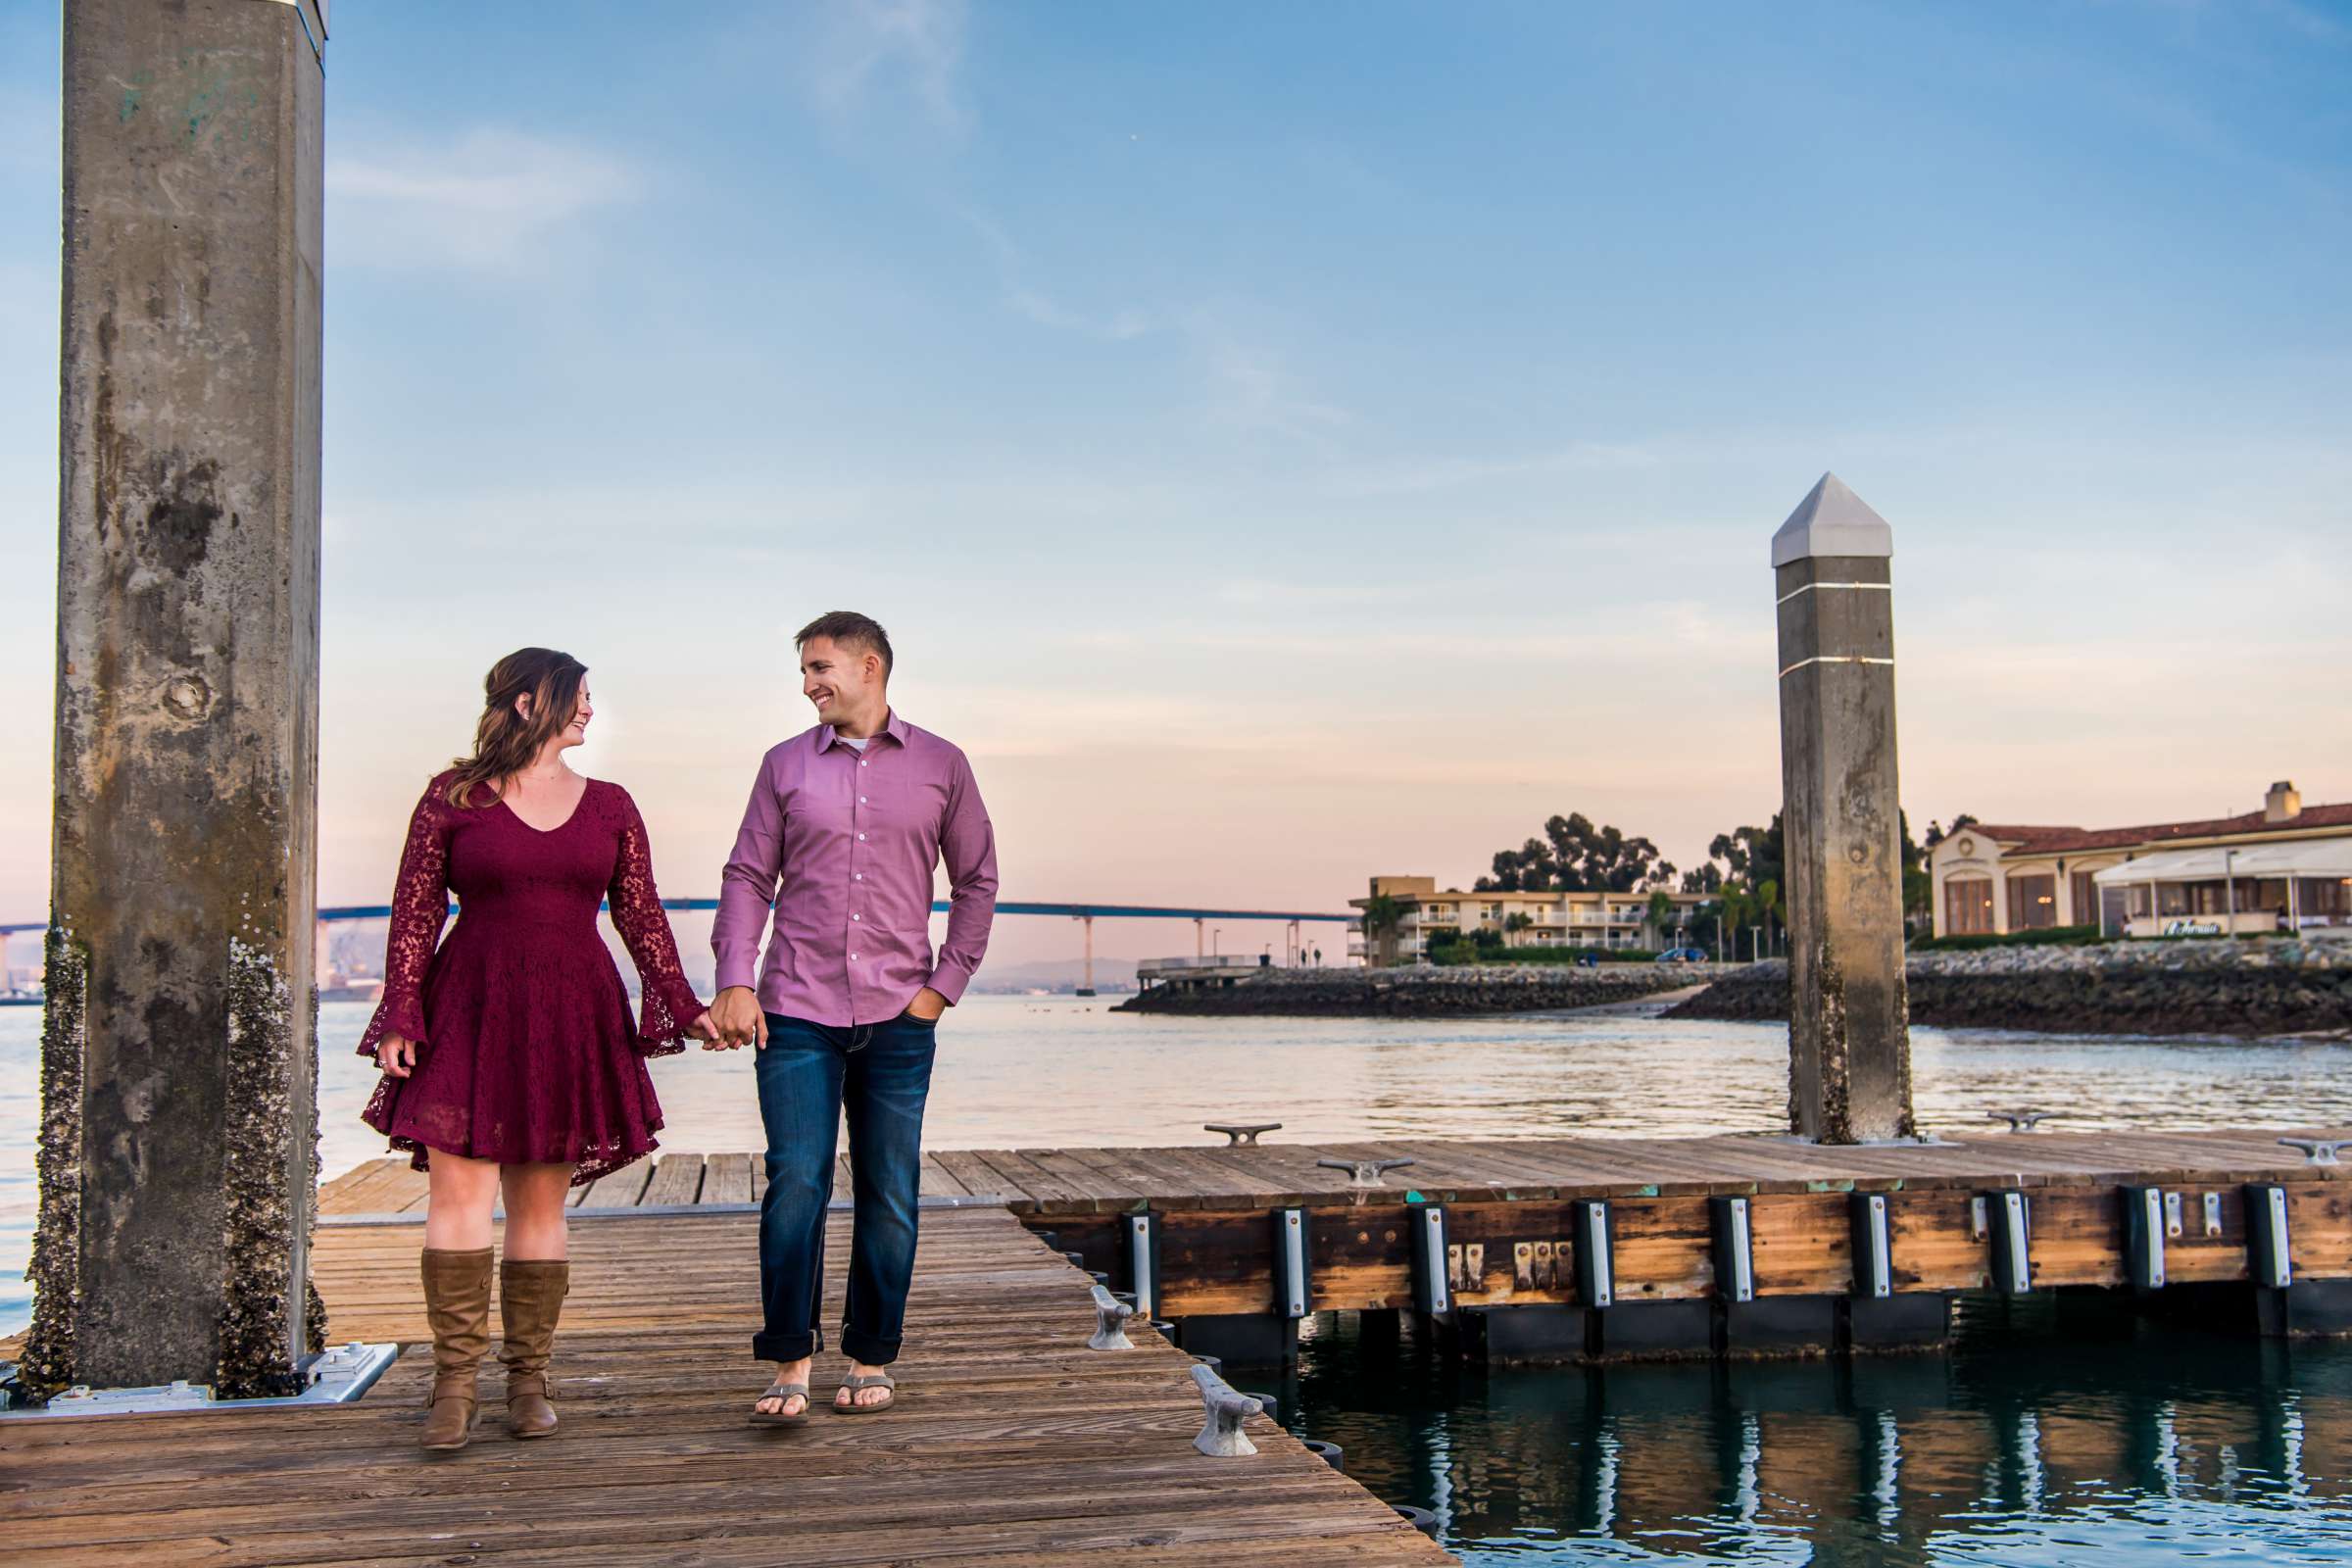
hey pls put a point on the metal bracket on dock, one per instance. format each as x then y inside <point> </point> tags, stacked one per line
<point>1293,1288</point>
<point>1111,1323</point>
<point>1873,1249</point>
<point>2146,1224</point>
<point>1536,1265</point>
<point>1142,1235</point>
<point>1240,1133</point>
<point>1733,1249</point>
<point>1466,1267</point>
<point>2020,1121</point>
<point>2317,1151</point>
<point>1595,1263</point>
<point>1225,1408</point>
<point>2012,1226</point>
<point>2268,1255</point>
<point>1433,1278</point>
<point>1363,1172</point>
<point>2212,1214</point>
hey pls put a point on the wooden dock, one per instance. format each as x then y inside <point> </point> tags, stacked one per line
<point>1012,1443</point>
<point>1210,1205</point>
<point>1016,1444</point>
<point>1518,1222</point>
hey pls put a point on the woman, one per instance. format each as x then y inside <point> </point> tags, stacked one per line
<point>511,1062</point>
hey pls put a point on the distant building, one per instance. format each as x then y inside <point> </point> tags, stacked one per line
<point>1552,919</point>
<point>2287,866</point>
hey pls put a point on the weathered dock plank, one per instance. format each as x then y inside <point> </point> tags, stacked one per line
<point>1012,1442</point>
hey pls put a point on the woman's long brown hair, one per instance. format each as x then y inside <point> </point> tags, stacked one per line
<point>506,742</point>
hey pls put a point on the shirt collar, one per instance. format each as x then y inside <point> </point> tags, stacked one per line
<point>895,728</point>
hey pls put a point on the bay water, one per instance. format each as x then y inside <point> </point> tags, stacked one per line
<point>2176,1446</point>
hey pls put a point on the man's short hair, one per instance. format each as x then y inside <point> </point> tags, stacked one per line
<point>849,629</point>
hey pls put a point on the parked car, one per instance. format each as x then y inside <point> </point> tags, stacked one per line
<point>1684,955</point>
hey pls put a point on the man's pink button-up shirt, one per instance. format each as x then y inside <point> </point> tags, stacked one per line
<point>843,842</point>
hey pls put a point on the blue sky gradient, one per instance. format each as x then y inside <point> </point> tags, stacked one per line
<point>1295,442</point>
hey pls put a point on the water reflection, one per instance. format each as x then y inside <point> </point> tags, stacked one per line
<point>2151,1447</point>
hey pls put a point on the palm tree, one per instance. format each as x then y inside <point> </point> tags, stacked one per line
<point>1740,907</point>
<point>1768,903</point>
<point>1381,916</point>
<point>1661,912</point>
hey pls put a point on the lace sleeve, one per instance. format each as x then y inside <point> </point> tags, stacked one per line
<point>670,1004</point>
<point>419,910</point>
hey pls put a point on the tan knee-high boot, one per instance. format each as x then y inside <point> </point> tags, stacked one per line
<point>530,1299</point>
<point>456,1302</point>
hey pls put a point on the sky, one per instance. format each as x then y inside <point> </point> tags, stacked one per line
<point>1293,443</point>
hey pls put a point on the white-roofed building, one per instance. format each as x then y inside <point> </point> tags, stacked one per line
<point>2287,866</point>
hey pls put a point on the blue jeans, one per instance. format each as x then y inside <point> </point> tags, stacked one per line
<point>880,1073</point>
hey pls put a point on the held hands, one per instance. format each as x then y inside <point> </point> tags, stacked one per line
<point>396,1055</point>
<point>736,1020</point>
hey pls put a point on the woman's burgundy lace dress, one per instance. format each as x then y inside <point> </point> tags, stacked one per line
<point>527,1052</point>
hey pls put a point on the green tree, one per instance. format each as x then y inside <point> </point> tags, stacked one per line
<point>1738,910</point>
<point>1663,913</point>
<point>1919,885</point>
<point>1749,862</point>
<point>1381,916</point>
<point>1575,856</point>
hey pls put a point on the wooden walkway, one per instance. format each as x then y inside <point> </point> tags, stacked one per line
<point>1509,1213</point>
<point>1108,1181</point>
<point>1012,1444</point>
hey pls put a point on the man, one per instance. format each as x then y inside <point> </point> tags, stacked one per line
<point>845,825</point>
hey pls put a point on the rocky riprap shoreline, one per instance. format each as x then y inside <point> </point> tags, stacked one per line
<point>1421,992</point>
<point>2271,987</point>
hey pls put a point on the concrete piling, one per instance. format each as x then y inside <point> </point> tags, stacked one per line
<point>179,1109</point>
<point>1849,1069</point>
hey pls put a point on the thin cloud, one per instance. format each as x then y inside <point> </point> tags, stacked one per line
<point>1032,303</point>
<point>1256,390</point>
<point>488,201</point>
<point>918,44</point>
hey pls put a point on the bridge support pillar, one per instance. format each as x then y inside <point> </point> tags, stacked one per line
<point>177,1146</point>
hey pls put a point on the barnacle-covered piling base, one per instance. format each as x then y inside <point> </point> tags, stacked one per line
<point>265,1214</point>
<point>47,1365</point>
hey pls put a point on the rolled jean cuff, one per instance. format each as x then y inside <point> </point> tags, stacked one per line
<point>768,1346</point>
<point>867,1349</point>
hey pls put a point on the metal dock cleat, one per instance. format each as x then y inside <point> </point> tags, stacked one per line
<point>1110,1322</point>
<point>2020,1121</point>
<point>1238,1133</point>
<point>2317,1151</point>
<point>1225,1408</point>
<point>1363,1172</point>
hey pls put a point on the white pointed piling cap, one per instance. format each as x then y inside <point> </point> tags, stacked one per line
<point>1832,521</point>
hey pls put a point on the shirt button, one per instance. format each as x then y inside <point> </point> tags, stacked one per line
<point>861,800</point>
<point>856,916</point>
<point>862,761</point>
<point>853,954</point>
<point>856,876</point>
<point>862,838</point>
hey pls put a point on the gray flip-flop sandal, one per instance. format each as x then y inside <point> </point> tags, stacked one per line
<point>780,1393</point>
<point>871,1380</point>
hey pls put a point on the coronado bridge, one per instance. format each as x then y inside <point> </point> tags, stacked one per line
<point>1084,914</point>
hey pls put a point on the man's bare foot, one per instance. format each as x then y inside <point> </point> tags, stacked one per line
<point>843,1398</point>
<point>790,1404</point>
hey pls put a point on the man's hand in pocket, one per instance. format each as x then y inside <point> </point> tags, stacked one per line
<point>927,1006</point>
